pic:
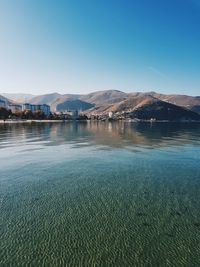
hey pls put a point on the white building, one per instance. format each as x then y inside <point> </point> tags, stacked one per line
<point>74,114</point>
<point>111,115</point>
<point>44,108</point>
<point>26,106</point>
<point>2,103</point>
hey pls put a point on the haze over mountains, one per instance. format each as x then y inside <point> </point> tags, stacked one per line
<point>18,97</point>
<point>102,102</point>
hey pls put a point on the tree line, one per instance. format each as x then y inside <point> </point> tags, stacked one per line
<point>6,114</point>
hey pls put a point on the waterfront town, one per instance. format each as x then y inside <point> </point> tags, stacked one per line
<point>149,109</point>
<point>27,111</point>
<point>16,108</point>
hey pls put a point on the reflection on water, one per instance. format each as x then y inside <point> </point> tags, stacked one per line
<point>119,134</point>
<point>100,194</point>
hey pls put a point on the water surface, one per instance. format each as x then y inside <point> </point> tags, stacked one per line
<point>100,194</point>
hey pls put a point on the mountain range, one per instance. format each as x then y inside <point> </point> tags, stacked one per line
<point>18,97</point>
<point>102,102</point>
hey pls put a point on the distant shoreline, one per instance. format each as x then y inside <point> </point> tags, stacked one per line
<point>64,121</point>
<point>27,121</point>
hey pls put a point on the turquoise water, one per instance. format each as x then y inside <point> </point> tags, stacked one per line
<point>100,194</point>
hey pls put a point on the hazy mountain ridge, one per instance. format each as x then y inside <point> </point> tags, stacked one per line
<point>146,107</point>
<point>104,97</point>
<point>74,104</point>
<point>8,101</point>
<point>115,97</point>
<point>18,97</point>
<point>102,102</point>
<point>180,100</point>
<point>45,99</point>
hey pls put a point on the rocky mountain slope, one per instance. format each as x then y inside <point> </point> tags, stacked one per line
<point>105,99</point>
<point>161,110</point>
<point>74,104</point>
<point>45,99</point>
<point>146,107</point>
<point>102,102</point>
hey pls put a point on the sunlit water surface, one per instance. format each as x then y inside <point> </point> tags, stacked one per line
<point>100,194</point>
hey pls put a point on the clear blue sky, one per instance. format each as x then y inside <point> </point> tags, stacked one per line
<point>79,46</point>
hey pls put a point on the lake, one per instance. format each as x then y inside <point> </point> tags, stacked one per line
<point>100,194</point>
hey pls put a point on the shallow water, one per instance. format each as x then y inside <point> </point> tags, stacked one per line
<point>100,194</point>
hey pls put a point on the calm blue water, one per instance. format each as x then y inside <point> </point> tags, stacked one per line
<point>100,194</point>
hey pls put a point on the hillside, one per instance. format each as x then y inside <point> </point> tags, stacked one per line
<point>56,100</point>
<point>195,109</point>
<point>106,100</point>
<point>125,105</point>
<point>102,102</point>
<point>45,99</point>
<point>61,101</point>
<point>19,98</point>
<point>180,100</point>
<point>104,97</point>
<point>8,101</point>
<point>161,110</point>
<point>146,107</point>
<point>74,105</point>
